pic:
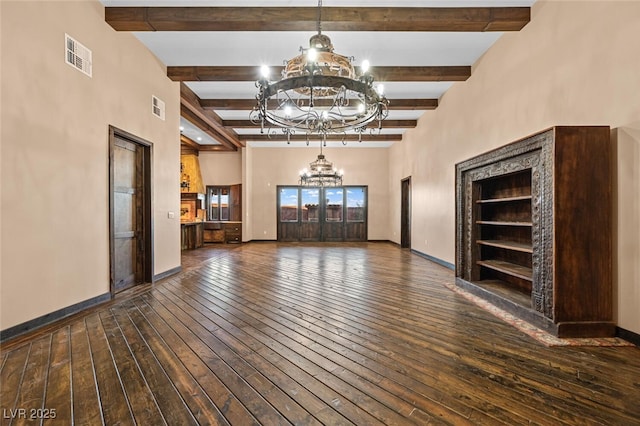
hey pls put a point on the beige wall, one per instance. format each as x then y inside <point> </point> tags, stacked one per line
<point>221,168</point>
<point>271,167</point>
<point>54,153</point>
<point>574,63</point>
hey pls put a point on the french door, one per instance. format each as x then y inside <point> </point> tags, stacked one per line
<point>322,213</point>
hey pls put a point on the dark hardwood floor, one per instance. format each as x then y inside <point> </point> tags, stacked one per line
<point>269,333</point>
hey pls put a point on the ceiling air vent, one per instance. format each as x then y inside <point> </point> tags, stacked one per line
<point>77,55</point>
<point>157,107</point>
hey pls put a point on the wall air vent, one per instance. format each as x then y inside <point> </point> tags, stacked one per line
<point>157,107</point>
<point>77,55</point>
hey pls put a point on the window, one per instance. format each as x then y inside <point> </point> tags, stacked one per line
<point>356,203</point>
<point>289,204</point>
<point>310,204</point>
<point>218,203</point>
<point>334,203</point>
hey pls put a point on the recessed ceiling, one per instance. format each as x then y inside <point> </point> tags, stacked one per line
<point>195,133</point>
<point>250,49</point>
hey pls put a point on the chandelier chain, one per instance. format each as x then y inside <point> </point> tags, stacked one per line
<point>319,25</point>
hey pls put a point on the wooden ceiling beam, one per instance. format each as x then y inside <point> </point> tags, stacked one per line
<point>188,142</point>
<point>330,138</point>
<point>188,146</point>
<point>380,74</point>
<point>248,104</point>
<point>206,120</point>
<point>213,148</point>
<point>477,19</point>
<point>412,104</point>
<point>386,124</point>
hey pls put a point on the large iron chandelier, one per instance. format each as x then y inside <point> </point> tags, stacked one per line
<point>321,173</point>
<point>319,94</point>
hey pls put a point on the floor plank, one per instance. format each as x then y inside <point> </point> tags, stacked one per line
<point>142,402</point>
<point>205,412</point>
<point>114,403</point>
<point>86,406</point>
<point>31,392</point>
<point>173,408</point>
<point>187,345</point>
<point>321,359</point>
<point>58,392</point>
<point>10,379</point>
<point>271,333</point>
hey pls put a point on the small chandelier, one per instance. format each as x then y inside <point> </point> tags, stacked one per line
<point>319,94</point>
<point>321,173</point>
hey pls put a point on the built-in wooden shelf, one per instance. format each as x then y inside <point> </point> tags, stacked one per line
<point>508,292</point>
<point>533,229</point>
<point>508,268</point>
<point>504,199</point>
<point>509,245</point>
<point>502,223</point>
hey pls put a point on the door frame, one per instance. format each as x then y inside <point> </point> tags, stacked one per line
<point>147,217</point>
<point>405,212</point>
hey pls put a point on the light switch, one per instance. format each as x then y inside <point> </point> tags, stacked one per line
<point>171,215</point>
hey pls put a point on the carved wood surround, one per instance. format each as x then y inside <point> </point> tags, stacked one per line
<point>569,289</point>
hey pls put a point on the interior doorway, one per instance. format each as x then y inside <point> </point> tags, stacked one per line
<point>129,210</point>
<point>405,213</point>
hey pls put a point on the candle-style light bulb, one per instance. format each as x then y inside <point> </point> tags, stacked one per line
<point>312,54</point>
<point>264,71</point>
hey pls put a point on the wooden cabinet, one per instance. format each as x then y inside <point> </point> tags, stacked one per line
<point>214,235</point>
<point>192,235</point>
<point>223,232</point>
<point>233,232</point>
<point>533,229</point>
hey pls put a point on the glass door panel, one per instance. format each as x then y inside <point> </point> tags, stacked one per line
<point>310,205</point>
<point>356,224</point>
<point>289,204</point>
<point>333,207</point>
<point>333,225</point>
<point>214,204</point>
<point>288,217</point>
<point>310,225</point>
<point>356,204</point>
<point>224,204</point>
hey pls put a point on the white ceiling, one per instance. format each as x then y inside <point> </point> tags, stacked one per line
<point>203,48</point>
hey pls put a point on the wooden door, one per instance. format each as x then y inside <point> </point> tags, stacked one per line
<point>405,213</point>
<point>127,210</point>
